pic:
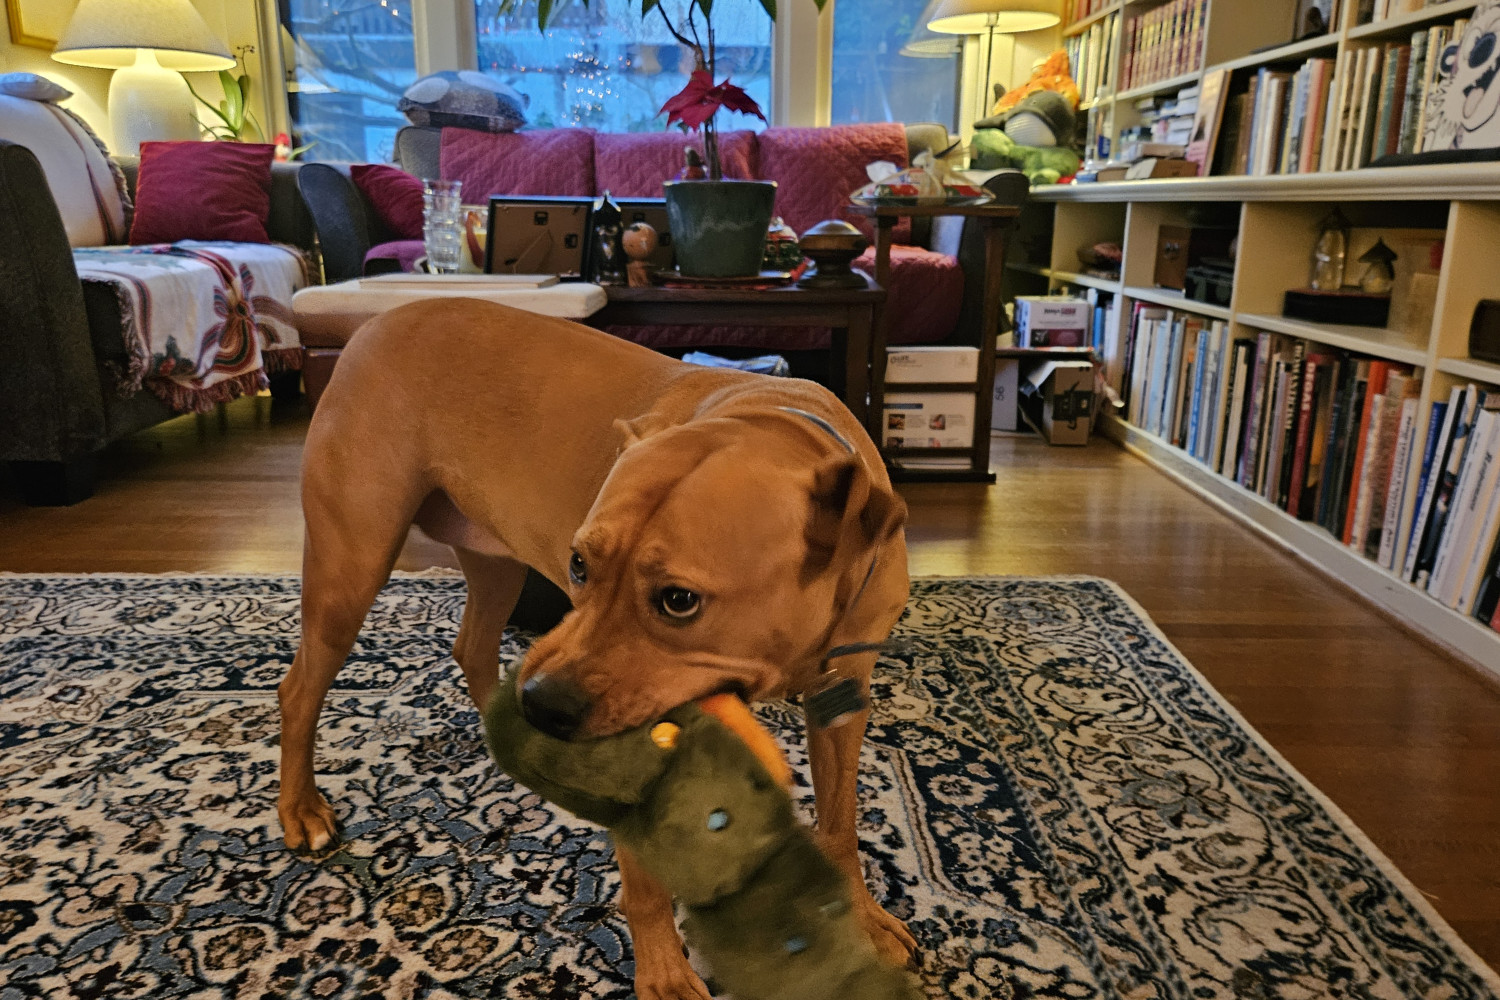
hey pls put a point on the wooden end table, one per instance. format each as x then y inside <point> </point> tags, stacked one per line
<point>996,219</point>
<point>851,312</point>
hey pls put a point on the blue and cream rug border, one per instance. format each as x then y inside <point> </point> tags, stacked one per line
<point>1051,796</point>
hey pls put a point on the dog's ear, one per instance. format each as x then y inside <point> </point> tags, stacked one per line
<point>638,429</point>
<point>846,502</point>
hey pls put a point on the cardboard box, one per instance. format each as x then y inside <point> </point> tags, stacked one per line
<point>1058,399</point>
<point>1052,321</point>
<point>931,364</point>
<point>927,420</point>
<point>1003,415</point>
<point>1181,247</point>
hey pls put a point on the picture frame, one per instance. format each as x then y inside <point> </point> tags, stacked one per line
<point>533,235</point>
<point>1314,18</point>
<point>38,23</point>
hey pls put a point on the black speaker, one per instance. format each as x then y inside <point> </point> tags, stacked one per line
<point>1484,331</point>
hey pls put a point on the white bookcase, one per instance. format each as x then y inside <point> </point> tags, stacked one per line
<point>1240,35</point>
<point>1277,218</point>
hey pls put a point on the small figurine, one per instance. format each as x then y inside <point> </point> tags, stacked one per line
<point>1380,275</point>
<point>640,242</point>
<point>609,257</point>
<point>694,170</point>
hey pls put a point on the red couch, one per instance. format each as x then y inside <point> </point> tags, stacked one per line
<point>815,168</point>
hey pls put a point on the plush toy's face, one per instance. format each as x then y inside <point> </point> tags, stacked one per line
<point>1478,64</point>
<point>711,561</point>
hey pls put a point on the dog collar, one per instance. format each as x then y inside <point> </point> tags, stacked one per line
<point>823,424</point>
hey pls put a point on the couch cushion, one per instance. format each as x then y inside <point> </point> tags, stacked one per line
<point>546,162</point>
<point>202,191</point>
<point>816,169</point>
<point>84,184</point>
<point>925,293</point>
<point>634,164</point>
<point>394,194</point>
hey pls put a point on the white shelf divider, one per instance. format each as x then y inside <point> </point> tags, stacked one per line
<point>1478,371</point>
<point>1392,345</point>
<point>1176,300</point>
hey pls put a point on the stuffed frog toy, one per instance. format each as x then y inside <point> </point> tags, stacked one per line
<point>701,796</point>
<point>992,149</point>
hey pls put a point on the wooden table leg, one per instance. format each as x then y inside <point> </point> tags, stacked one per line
<point>857,361</point>
<point>989,328</point>
<point>880,333</point>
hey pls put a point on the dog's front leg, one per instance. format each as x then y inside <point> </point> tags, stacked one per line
<point>833,757</point>
<point>662,971</point>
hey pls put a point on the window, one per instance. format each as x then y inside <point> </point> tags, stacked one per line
<point>887,67</point>
<point>349,62</point>
<point>602,66</point>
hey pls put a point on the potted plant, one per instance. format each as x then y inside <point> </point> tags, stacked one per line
<point>719,226</point>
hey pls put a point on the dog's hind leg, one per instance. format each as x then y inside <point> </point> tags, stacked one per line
<point>494,584</point>
<point>351,544</point>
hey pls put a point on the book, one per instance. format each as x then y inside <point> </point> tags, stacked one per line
<point>1311,146</point>
<point>1195,406</point>
<point>1396,490</point>
<point>1487,531</point>
<point>1364,112</point>
<point>1338,113</point>
<point>1380,457</point>
<point>1295,369</point>
<point>1341,391</point>
<point>1446,482</point>
<point>1453,551</point>
<point>1323,371</point>
<point>1416,77</point>
<point>1435,457</point>
<point>1254,405</point>
<point>1378,372</point>
<point>1207,119</point>
<point>1234,418</point>
<point>1338,510</point>
<point>1270,465</point>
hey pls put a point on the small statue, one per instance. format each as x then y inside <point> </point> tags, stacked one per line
<point>695,169</point>
<point>640,242</point>
<point>609,257</point>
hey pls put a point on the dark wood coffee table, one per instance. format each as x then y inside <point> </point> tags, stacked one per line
<point>850,312</point>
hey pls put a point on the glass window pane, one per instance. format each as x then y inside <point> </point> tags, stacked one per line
<point>887,67</point>
<point>348,63</point>
<point>602,66</point>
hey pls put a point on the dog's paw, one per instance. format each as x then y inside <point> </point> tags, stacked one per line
<point>309,824</point>
<point>670,979</point>
<point>890,936</point>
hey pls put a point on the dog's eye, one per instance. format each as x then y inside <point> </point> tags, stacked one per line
<point>678,602</point>
<point>578,570</point>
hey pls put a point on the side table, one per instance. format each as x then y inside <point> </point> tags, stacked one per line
<point>996,219</point>
<point>851,312</point>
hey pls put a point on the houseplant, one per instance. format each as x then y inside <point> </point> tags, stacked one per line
<point>719,226</point>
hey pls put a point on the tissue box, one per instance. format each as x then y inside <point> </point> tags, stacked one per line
<point>1052,321</point>
<point>927,420</point>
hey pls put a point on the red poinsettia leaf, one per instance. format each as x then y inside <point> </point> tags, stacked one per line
<point>699,86</point>
<point>735,99</point>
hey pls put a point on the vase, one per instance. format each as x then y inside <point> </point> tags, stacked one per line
<point>719,227</point>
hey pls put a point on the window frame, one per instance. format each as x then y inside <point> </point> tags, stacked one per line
<point>801,56</point>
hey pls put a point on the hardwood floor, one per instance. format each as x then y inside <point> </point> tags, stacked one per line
<point>1403,738</point>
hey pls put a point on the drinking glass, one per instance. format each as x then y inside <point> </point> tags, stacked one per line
<point>442,225</point>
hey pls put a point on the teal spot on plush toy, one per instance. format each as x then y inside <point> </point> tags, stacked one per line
<point>765,908</point>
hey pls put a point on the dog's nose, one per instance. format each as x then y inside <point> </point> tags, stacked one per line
<point>554,705</point>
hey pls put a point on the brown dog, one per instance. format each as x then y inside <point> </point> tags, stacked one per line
<point>715,531</point>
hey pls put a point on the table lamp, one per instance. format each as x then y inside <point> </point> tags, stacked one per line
<point>149,44</point>
<point>978,17</point>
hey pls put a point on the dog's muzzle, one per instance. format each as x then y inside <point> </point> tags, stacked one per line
<point>554,705</point>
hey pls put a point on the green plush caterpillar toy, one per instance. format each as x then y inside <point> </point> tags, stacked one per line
<point>696,796</point>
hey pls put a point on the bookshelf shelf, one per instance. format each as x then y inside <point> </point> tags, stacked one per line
<point>1024,268</point>
<point>1467,368</point>
<point>1150,89</point>
<point>1437,182</point>
<point>1457,632</point>
<point>1084,23</point>
<point>1394,27</point>
<point>1086,280</point>
<point>1391,345</point>
<point>1175,300</point>
<point>1306,47</point>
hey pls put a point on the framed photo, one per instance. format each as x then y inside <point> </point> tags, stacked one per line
<point>529,235</point>
<point>38,23</point>
<point>1315,17</point>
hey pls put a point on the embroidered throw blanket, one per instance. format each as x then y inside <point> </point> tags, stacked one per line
<point>203,322</point>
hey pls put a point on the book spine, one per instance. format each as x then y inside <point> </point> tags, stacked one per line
<point>1415,79</point>
<point>1249,446</point>
<point>1434,453</point>
<point>1376,385</point>
<point>1479,570</point>
<point>1234,418</point>
<point>1395,494</point>
<point>1290,418</point>
<point>1452,549</point>
<point>1442,499</point>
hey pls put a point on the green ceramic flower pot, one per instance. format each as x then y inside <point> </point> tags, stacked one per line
<point>719,227</point>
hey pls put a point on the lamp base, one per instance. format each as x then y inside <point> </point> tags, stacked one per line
<point>149,103</point>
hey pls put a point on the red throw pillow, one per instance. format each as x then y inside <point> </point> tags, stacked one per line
<point>395,195</point>
<point>202,191</point>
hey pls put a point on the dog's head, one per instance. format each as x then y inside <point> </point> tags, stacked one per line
<point>718,556</point>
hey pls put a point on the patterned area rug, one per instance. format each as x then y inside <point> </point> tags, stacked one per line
<point>1054,799</point>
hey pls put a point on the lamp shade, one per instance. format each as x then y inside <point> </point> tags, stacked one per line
<point>924,43</point>
<point>974,17</point>
<point>108,33</point>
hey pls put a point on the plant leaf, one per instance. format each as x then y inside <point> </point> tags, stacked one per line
<point>770,6</point>
<point>647,6</point>
<point>234,108</point>
<point>707,6</point>
<point>543,13</point>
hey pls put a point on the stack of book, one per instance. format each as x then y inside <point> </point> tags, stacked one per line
<point>1380,105</point>
<point>1164,119</point>
<point>1164,42</point>
<point>1278,125</point>
<point>1373,11</point>
<point>1077,10</point>
<point>1091,57</point>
